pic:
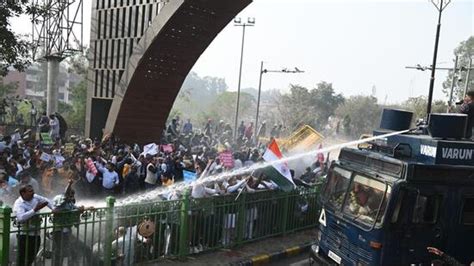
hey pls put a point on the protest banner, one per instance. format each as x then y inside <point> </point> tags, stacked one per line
<point>227,160</point>
<point>189,176</point>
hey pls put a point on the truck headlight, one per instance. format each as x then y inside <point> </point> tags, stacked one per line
<point>315,249</point>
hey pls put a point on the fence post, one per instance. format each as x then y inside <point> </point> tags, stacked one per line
<point>184,225</point>
<point>109,231</point>
<point>241,219</point>
<point>284,220</point>
<point>5,216</point>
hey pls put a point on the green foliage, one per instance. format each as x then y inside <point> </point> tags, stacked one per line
<point>464,50</point>
<point>295,107</point>
<point>24,108</point>
<point>361,114</point>
<point>77,114</point>
<point>14,48</point>
<point>314,107</point>
<point>7,89</point>
<point>197,96</point>
<point>224,106</point>
<point>325,102</point>
<point>418,106</point>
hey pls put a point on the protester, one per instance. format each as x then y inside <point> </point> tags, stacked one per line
<point>25,209</point>
<point>64,208</point>
<point>445,258</point>
<point>110,178</point>
<point>43,123</point>
<point>467,107</point>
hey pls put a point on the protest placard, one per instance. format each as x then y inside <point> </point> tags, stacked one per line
<point>167,148</point>
<point>227,159</point>
<point>45,157</point>
<point>189,176</point>
<point>69,148</point>
<point>46,139</point>
<point>151,149</point>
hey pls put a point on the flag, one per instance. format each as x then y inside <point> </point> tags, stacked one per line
<point>320,155</point>
<point>278,172</point>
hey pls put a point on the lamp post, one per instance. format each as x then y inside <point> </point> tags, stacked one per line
<point>238,22</point>
<point>263,71</point>
<point>440,6</point>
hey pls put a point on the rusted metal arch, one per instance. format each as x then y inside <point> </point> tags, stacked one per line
<point>160,63</point>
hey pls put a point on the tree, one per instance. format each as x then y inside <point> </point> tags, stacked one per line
<point>418,106</point>
<point>360,115</point>
<point>197,95</point>
<point>313,108</point>
<point>14,48</point>
<point>325,102</point>
<point>295,107</point>
<point>224,106</point>
<point>464,50</point>
<point>6,88</point>
<point>77,116</point>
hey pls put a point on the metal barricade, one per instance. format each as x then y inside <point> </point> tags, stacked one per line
<point>150,231</point>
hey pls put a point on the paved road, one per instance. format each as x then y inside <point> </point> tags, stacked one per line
<point>300,260</point>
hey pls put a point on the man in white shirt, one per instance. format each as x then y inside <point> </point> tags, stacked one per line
<point>25,209</point>
<point>110,178</point>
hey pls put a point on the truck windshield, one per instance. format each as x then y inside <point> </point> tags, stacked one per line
<point>366,200</point>
<point>336,188</point>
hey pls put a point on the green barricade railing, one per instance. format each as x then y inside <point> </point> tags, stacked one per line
<point>151,231</point>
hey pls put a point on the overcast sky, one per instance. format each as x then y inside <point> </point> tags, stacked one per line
<point>353,44</point>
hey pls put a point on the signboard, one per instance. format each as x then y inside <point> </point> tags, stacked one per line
<point>303,139</point>
<point>46,139</point>
<point>455,153</point>
<point>227,160</point>
<point>189,176</point>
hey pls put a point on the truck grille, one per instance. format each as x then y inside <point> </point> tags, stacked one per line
<point>337,241</point>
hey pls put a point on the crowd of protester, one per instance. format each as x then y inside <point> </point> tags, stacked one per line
<point>111,167</point>
<point>43,161</point>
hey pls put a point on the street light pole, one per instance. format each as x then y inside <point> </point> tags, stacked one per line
<point>440,6</point>
<point>258,100</point>
<point>468,76</point>
<point>250,22</point>
<point>263,71</point>
<point>453,82</point>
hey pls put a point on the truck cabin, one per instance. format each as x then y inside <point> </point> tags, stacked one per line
<point>386,203</point>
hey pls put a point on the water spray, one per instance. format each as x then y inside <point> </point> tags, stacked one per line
<point>153,195</point>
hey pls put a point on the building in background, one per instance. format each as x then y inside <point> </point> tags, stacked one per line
<point>31,84</point>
